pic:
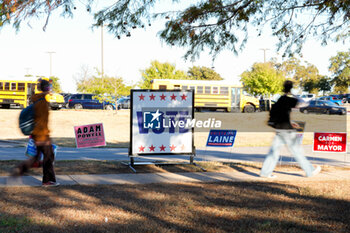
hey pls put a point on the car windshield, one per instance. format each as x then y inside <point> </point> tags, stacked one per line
<point>329,103</point>
<point>122,100</point>
<point>312,103</point>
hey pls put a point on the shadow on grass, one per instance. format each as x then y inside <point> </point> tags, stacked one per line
<point>254,170</point>
<point>202,207</point>
<point>248,169</point>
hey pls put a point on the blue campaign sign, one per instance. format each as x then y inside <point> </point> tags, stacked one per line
<point>221,138</point>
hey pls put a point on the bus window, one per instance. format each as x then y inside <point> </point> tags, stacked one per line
<point>162,87</point>
<point>30,88</point>
<point>200,90</point>
<point>223,90</point>
<point>192,88</point>
<point>177,87</point>
<point>1,86</point>
<point>215,90</point>
<point>207,89</point>
<point>21,86</point>
<point>184,88</point>
<point>7,86</point>
<point>13,86</point>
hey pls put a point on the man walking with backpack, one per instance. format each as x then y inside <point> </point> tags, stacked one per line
<point>40,134</point>
<point>285,134</point>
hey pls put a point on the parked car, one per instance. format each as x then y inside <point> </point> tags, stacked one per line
<point>123,103</point>
<point>308,97</point>
<point>89,101</point>
<point>56,101</point>
<point>340,97</point>
<point>66,97</point>
<point>346,98</point>
<point>323,107</point>
<point>332,99</point>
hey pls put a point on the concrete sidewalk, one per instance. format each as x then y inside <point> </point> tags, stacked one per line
<point>147,178</point>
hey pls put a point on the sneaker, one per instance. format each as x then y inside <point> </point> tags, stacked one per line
<point>269,176</point>
<point>316,170</point>
<point>51,184</point>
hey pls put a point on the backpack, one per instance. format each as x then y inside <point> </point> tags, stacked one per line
<point>26,119</point>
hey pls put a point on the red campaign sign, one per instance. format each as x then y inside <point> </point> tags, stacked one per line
<point>330,142</point>
<point>89,135</point>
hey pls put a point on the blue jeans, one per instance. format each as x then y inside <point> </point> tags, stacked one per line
<point>290,138</point>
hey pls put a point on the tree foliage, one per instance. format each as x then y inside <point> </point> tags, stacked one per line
<point>262,79</point>
<point>290,68</point>
<point>309,77</point>
<point>111,86</point>
<point>305,76</point>
<point>159,70</point>
<point>56,86</point>
<point>324,84</point>
<point>209,24</point>
<point>340,69</point>
<point>203,73</point>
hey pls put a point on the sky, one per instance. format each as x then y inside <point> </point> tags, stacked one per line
<point>75,45</point>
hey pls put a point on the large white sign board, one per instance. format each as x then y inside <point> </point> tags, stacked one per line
<point>158,122</point>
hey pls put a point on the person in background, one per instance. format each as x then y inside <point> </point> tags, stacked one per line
<point>286,134</point>
<point>41,136</point>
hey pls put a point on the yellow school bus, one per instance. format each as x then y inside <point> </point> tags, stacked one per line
<point>211,95</point>
<point>17,93</point>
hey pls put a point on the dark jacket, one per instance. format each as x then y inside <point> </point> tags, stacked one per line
<point>280,112</point>
<point>41,131</point>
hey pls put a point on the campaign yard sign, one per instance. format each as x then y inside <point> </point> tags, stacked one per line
<point>329,142</point>
<point>89,135</point>
<point>221,138</point>
<point>161,122</point>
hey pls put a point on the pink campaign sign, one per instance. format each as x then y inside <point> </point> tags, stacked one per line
<point>89,135</point>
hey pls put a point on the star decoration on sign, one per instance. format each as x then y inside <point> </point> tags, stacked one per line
<point>151,97</point>
<point>141,149</point>
<point>142,97</point>
<point>184,97</point>
<point>182,147</point>
<point>162,148</point>
<point>162,97</point>
<point>173,97</point>
<point>151,148</point>
<point>172,148</point>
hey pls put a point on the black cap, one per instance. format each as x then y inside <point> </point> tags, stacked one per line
<point>44,85</point>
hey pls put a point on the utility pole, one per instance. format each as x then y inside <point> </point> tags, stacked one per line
<point>264,49</point>
<point>27,71</point>
<point>50,54</point>
<point>102,65</point>
<point>102,68</point>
